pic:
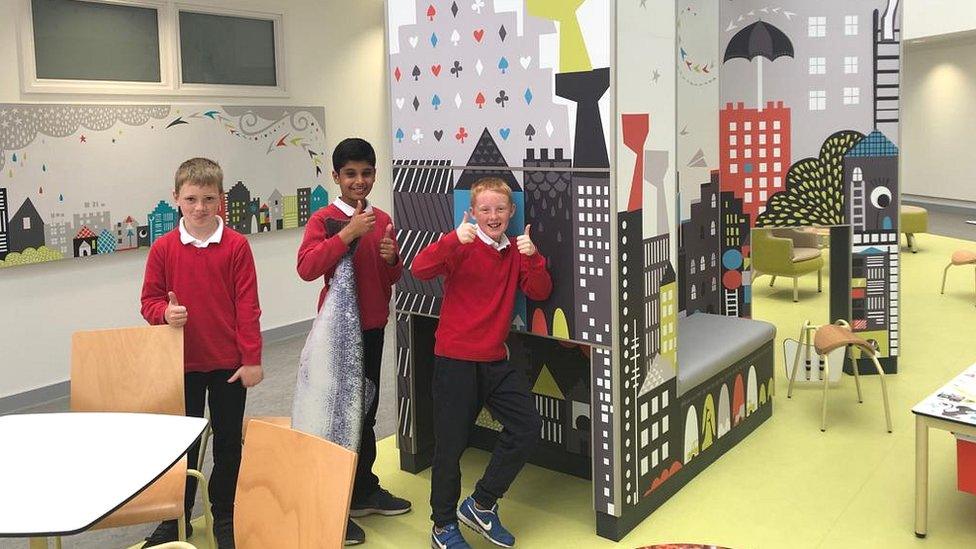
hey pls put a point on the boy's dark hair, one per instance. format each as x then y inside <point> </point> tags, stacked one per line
<point>351,150</point>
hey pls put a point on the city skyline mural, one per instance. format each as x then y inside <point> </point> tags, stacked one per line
<point>84,180</point>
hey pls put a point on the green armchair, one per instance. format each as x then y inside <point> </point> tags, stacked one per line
<point>786,252</point>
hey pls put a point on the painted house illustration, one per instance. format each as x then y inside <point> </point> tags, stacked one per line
<point>85,243</point>
<point>26,228</point>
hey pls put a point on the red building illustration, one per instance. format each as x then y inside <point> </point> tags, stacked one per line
<point>754,153</point>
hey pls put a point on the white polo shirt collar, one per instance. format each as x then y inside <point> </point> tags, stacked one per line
<point>349,210</point>
<point>187,238</point>
<point>491,241</point>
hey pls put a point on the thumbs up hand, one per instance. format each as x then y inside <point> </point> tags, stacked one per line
<point>388,247</point>
<point>466,231</point>
<point>359,224</point>
<point>524,243</point>
<point>175,313</point>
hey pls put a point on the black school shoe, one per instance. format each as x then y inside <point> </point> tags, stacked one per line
<point>167,531</point>
<point>379,502</point>
<point>354,534</point>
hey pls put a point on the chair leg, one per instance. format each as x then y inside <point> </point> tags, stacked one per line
<point>796,290</point>
<point>884,390</point>
<point>823,406</point>
<point>911,242</point>
<point>796,359</point>
<point>207,513</point>
<point>945,273</point>
<point>772,280</point>
<point>857,377</point>
<point>819,280</point>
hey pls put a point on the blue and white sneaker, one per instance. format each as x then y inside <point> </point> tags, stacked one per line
<point>449,538</point>
<point>485,523</point>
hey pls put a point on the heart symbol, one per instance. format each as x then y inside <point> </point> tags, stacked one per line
<point>436,69</point>
<point>413,41</point>
<point>438,134</point>
<point>479,34</point>
<point>525,61</point>
<point>399,102</point>
<point>504,132</point>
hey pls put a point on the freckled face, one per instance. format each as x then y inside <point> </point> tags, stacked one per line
<point>492,211</point>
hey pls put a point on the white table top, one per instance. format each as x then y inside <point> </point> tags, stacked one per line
<point>61,473</point>
<point>955,401</point>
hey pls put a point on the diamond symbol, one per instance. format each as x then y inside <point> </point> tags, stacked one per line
<point>433,40</point>
<point>549,128</point>
<point>502,33</point>
<point>479,67</point>
<point>457,100</point>
<point>454,8</point>
<point>528,96</point>
<point>416,103</point>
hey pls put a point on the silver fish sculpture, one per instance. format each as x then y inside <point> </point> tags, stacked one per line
<point>332,392</point>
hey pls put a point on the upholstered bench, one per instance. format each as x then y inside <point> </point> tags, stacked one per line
<point>713,343</point>
<point>912,220</point>
<point>724,381</point>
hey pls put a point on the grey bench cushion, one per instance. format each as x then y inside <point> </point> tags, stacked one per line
<point>707,344</point>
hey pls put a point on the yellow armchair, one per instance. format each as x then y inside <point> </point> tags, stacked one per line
<point>775,254</point>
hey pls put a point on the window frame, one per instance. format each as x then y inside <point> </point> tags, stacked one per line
<point>170,61</point>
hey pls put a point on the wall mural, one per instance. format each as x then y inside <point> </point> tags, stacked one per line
<point>84,180</point>
<point>499,88</point>
<point>807,134</point>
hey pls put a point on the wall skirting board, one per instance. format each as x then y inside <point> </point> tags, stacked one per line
<point>947,205</point>
<point>27,399</point>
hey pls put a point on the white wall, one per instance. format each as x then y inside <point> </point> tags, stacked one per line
<point>924,18</point>
<point>335,57</point>
<point>938,109</point>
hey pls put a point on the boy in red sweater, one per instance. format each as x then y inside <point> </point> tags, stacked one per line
<point>200,276</point>
<point>377,267</point>
<point>482,268</point>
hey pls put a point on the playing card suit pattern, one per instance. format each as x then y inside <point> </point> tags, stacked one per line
<point>504,55</point>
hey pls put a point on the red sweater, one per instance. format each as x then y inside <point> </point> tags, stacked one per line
<point>218,286</point>
<point>320,253</point>
<point>479,293</point>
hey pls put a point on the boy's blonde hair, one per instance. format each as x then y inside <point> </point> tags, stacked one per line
<point>492,183</point>
<point>202,172</point>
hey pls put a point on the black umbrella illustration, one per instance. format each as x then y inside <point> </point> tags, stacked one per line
<point>756,41</point>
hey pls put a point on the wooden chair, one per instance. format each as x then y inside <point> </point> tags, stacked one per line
<point>834,336</point>
<point>959,257</point>
<point>293,491</point>
<point>136,370</point>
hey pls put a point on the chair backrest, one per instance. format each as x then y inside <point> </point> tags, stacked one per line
<point>133,370</point>
<point>770,253</point>
<point>128,370</point>
<point>293,490</point>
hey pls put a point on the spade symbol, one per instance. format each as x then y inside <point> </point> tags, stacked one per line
<point>529,132</point>
<point>480,100</point>
<point>436,102</point>
<point>399,135</point>
<point>502,64</point>
<point>416,73</point>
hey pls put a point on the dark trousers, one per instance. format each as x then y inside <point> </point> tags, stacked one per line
<point>460,389</point>
<point>226,402</point>
<point>366,482</point>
